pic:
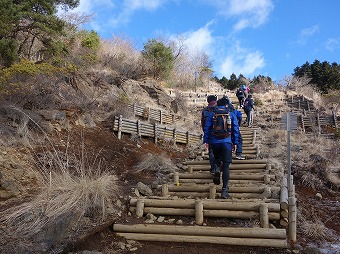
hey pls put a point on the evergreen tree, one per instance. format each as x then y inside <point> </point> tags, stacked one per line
<point>160,57</point>
<point>28,24</point>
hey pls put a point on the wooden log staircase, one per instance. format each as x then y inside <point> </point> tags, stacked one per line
<point>257,193</point>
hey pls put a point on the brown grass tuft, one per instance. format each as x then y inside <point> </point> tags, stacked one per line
<point>156,163</point>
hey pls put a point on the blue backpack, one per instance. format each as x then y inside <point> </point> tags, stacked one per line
<point>221,123</point>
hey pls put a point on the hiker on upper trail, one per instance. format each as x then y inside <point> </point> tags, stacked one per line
<point>221,131</point>
<point>238,115</point>
<point>240,94</point>
<point>211,99</point>
<point>248,107</point>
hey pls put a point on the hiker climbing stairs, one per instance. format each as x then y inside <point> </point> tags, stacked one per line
<point>256,193</point>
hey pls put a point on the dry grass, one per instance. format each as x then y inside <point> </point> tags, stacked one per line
<point>70,187</point>
<point>315,231</point>
<point>156,163</point>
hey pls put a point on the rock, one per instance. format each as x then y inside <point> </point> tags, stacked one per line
<point>318,196</point>
<point>144,189</point>
<point>137,192</point>
<point>150,216</point>
<point>179,222</point>
<point>119,203</point>
<point>160,219</point>
<point>170,221</point>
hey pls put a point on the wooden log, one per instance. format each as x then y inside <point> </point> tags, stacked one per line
<point>210,204</point>
<point>264,219</point>
<point>284,222</point>
<point>212,192</point>
<point>140,208</point>
<point>205,175</point>
<point>284,198</point>
<point>292,219</point>
<point>198,230</point>
<point>231,167</point>
<point>276,243</point>
<point>208,213</point>
<point>199,212</point>
<point>176,178</point>
<point>266,190</point>
<point>165,190</point>
<point>205,181</point>
<point>120,121</point>
<point>284,213</point>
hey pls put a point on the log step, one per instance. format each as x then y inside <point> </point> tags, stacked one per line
<point>260,237</point>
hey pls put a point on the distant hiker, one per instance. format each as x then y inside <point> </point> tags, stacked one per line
<point>222,127</point>
<point>238,115</point>
<point>246,90</point>
<point>211,99</point>
<point>240,94</point>
<point>248,107</point>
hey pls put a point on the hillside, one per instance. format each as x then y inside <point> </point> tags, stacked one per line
<point>67,148</point>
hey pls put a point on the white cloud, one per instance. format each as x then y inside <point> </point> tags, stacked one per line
<point>333,44</point>
<point>89,6</point>
<point>241,61</point>
<point>131,6</point>
<point>200,40</point>
<point>306,33</point>
<point>248,13</point>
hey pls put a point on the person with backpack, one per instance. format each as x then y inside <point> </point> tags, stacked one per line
<point>211,99</point>
<point>221,131</point>
<point>240,94</point>
<point>248,109</point>
<point>238,115</point>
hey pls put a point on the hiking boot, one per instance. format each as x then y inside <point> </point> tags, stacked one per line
<point>239,157</point>
<point>217,176</point>
<point>225,194</point>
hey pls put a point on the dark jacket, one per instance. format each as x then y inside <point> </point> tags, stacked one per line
<point>240,93</point>
<point>206,111</point>
<point>248,104</point>
<point>235,131</point>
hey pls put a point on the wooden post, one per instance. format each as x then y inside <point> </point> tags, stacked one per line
<point>266,179</point>
<point>318,121</point>
<point>190,170</point>
<point>308,107</point>
<point>165,190</point>
<point>199,212</point>
<point>176,178</point>
<point>334,119</point>
<point>212,191</point>
<point>120,123</point>
<point>134,109</point>
<point>291,191</point>
<point>257,150</point>
<point>284,194</point>
<point>268,167</point>
<point>138,128</point>
<point>187,134</point>
<point>155,133</point>
<point>292,219</point>
<point>254,137</point>
<point>173,118</point>
<point>303,124</point>
<point>264,220</point>
<point>161,116</point>
<point>139,208</point>
<point>174,135</point>
<point>299,104</point>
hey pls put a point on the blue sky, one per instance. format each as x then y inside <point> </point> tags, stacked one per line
<point>252,37</point>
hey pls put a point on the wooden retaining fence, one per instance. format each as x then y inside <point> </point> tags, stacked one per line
<point>157,115</point>
<point>158,132</point>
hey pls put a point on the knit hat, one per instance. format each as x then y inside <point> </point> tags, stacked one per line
<point>211,98</point>
<point>222,102</point>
